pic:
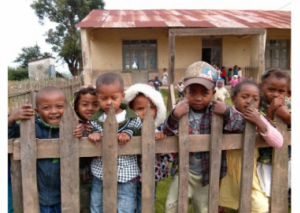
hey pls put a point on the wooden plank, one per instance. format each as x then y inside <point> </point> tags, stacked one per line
<point>215,163</point>
<point>148,162</point>
<point>215,31</point>
<point>172,96</point>
<point>183,164</point>
<point>110,162</point>
<point>32,94</point>
<point>279,184</point>
<point>69,162</point>
<point>171,57</point>
<point>247,166</point>
<point>16,184</point>
<point>28,166</point>
<point>49,148</point>
<point>261,62</point>
<point>10,146</point>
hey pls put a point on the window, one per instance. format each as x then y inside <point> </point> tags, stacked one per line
<point>139,55</point>
<point>277,54</point>
<point>211,51</point>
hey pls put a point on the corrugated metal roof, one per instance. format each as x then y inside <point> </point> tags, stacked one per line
<point>187,18</point>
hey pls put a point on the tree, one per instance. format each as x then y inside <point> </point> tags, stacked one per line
<point>66,38</point>
<point>30,53</point>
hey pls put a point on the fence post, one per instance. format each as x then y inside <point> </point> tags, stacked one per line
<point>248,149</point>
<point>16,184</point>
<point>148,162</point>
<point>32,94</point>
<point>69,162</point>
<point>215,162</point>
<point>183,164</point>
<point>28,166</point>
<point>110,161</point>
<point>280,162</point>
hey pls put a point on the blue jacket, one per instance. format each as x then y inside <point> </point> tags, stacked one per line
<point>48,170</point>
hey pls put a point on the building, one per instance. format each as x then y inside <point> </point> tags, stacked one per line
<point>42,68</point>
<point>138,44</point>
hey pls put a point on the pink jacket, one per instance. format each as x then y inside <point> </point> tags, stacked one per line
<point>234,82</point>
<point>272,136</point>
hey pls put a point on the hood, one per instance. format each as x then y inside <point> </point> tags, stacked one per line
<point>222,84</point>
<point>153,95</point>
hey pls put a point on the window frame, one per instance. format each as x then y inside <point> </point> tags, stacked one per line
<point>280,48</point>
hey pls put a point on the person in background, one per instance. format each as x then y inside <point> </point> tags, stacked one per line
<point>234,81</point>
<point>223,74</point>
<point>156,83</point>
<point>235,70</point>
<point>165,77</point>
<point>240,74</point>
<point>229,74</point>
<point>221,91</point>
<point>180,88</point>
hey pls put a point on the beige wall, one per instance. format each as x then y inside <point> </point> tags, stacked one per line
<point>106,50</point>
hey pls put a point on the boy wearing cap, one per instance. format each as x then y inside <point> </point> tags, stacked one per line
<point>199,84</point>
<point>180,88</point>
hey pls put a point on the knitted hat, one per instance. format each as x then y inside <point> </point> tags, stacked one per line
<point>200,73</point>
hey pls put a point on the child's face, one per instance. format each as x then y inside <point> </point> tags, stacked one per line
<point>108,94</point>
<point>139,105</point>
<point>88,104</point>
<point>51,107</point>
<point>244,96</point>
<point>234,78</point>
<point>219,84</point>
<point>198,96</point>
<point>274,87</point>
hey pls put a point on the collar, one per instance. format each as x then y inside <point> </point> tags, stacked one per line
<point>48,125</point>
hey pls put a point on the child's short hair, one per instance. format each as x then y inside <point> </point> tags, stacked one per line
<point>46,90</point>
<point>223,67</point>
<point>277,73</point>
<point>164,69</point>
<point>110,79</point>
<point>230,69</point>
<point>237,88</point>
<point>82,91</point>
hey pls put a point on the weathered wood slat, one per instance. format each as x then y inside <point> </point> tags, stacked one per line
<point>172,96</point>
<point>183,164</point>
<point>110,162</point>
<point>49,148</point>
<point>16,184</point>
<point>28,167</point>
<point>10,146</point>
<point>279,186</point>
<point>69,162</point>
<point>215,162</point>
<point>247,166</point>
<point>148,162</point>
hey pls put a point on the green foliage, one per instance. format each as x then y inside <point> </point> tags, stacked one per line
<point>30,53</point>
<point>17,74</point>
<point>65,38</point>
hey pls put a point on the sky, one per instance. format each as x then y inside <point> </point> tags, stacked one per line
<point>24,29</point>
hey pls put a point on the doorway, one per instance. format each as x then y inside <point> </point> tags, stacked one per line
<point>212,51</point>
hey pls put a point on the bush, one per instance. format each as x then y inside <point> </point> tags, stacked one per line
<point>17,74</point>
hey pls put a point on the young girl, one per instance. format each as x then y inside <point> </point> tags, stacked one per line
<point>230,185</point>
<point>221,91</point>
<point>274,87</point>
<point>234,81</point>
<point>240,75</point>
<point>137,97</point>
<point>165,77</point>
<point>229,74</point>
<point>85,105</point>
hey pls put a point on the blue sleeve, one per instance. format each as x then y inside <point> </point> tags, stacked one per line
<point>14,130</point>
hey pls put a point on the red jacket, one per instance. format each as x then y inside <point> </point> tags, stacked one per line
<point>223,74</point>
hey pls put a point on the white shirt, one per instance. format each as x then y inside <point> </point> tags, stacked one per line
<point>240,73</point>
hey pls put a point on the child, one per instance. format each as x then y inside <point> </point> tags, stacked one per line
<point>180,87</point>
<point>223,74</point>
<point>110,90</point>
<point>235,70</point>
<point>274,85</point>
<point>221,91</point>
<point>50,103</point>
<point>230,185</point>
<point>85,105</point>
<point>165,77</point>
<point>239,74</point>
<point>199,84</point>
<point>229,74</point>
<point>156,83</point>
<point>137,97</point>
<point>234,81</point>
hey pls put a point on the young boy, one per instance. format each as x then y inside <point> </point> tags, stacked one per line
<point>156,83</point>
<point>110,90</point>
<point>199,84</point>
<point>180,87</point>
<point>50,105</point>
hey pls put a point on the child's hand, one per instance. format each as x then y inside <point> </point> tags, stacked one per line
<point>218,107</point>
<point>78,131</point>
<point>160,136</point>
<point>277,102</point>
<point>252,116</point>
<point>95,138</point>
<point>123,138</point>
<point>88,128</point>
<point>181,109</point>
<point>24,113</point>
<point>284,113</point>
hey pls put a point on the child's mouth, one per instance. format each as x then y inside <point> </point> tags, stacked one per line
<point>54,118</point>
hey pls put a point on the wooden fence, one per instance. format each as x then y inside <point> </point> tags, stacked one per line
<point>21,92</point>
<point>24,152</point>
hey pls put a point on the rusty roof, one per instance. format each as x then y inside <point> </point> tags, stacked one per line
<point>187,18</point>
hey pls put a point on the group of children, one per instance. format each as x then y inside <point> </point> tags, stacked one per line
<point>92,104</point>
